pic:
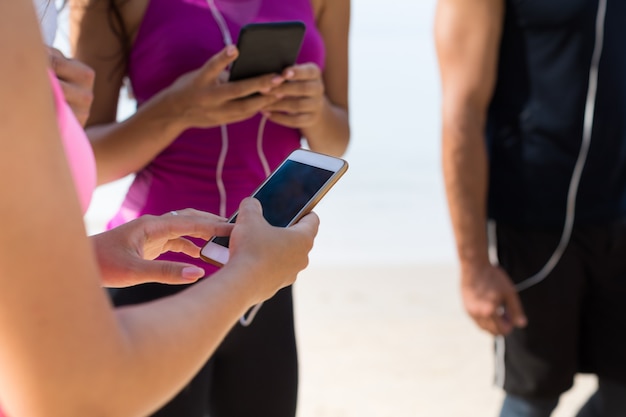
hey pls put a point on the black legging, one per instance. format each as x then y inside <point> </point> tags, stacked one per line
<point>254,372</point>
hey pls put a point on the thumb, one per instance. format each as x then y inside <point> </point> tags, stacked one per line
<point>250,207</point>
<point>212,69</point>
<point>309,223</point>
<point>515,310</point>
<point>169,272</point>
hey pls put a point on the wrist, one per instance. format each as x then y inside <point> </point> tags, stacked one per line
<point>316,124</point>
<point>247,278</point>
<point>330,132</point>
<point>169,110</point>
<point>474,260</point>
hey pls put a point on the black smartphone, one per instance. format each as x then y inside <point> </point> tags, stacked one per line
<point>290,192</point>
<point>266,48</point>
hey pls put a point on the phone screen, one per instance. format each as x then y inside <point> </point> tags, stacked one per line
<point>286,193</point>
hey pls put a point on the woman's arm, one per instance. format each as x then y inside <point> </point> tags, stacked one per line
<point>64,350</point>
<point>126,254</point>
<point>196,99</point>
<point>316,102</point>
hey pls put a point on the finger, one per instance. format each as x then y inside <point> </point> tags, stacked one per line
<point>502,324</point>
<point>223,77</point>
<point>250,207</point>
<point>244,108</point>
<point>514,310</point>
<point>309,223</point>
<point>299,89</point>
<point>196,227</point>
<point>77,96</point>
<point>187,222</point>
<point>211,70</point>
<point>244,88</point>
<point>197,213</point>
<point>488,325</point>
<point>489,317</point>
<point>54,58</point>
<point>182,245</point>
<point>308,71</point>
<point>293,105</point>
<point>290,120</point>
<point>168,272</point>
<point>71,70</point>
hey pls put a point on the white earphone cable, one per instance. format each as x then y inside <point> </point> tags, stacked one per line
<point>228,40</point>
<point>590,106</point>
<point>570,212</point>
<point>259,146</point>
<point>219,19</point>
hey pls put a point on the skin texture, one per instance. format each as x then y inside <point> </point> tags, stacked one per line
<point>76,80</point>
<point>302,97</point>
<point>125,254</point>
<point>316,102</point>
<point>65,351</point>
<point>467,34</point>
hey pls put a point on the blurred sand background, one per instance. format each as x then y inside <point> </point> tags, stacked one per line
<point>380,326</point>
<point>393,341</point>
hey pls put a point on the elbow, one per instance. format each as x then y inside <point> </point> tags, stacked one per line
<point>331,135</point>
<point>339,146</point>
<point>463,121</point>
<point>342,143</point>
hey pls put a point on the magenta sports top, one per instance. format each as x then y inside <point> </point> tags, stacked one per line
<point>178,36</point>
<point>77,150</point>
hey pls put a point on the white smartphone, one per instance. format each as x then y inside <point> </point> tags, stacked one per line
<point>289,193</point>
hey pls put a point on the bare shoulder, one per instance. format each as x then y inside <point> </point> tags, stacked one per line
<point>317,7</point>
<point>331,9</point>
<point>132,13</point>
<point>113,13</point>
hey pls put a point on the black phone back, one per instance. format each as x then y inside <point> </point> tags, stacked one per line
<point>266,48</point>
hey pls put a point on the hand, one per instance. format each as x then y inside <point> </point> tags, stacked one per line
<point>202,98</point>
<point>491,300</point>
<point>126,254</point>
<point>76,80</point>
<point>302,98</point>
<point>269,257</point>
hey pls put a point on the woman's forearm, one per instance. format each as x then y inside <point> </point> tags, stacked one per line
<point>331,134</point>
<point>124,148</point>
<point>169,340</point>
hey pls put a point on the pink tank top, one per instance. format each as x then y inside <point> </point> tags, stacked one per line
<point>77,149</point>
<point>178,36</point>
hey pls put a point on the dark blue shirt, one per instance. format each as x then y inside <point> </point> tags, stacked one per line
<point>535,119</point>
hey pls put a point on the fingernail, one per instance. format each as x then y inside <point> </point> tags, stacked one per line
<point>231,50</point>
<point>265,90</point>
<point>192,272</point>
<point>521,322</point>
<point>289,74</point>
<point>279,96</point>
<point>266,114</point>
<point>277,80</point>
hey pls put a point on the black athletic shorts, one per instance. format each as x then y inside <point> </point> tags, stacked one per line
<point>576,316</point>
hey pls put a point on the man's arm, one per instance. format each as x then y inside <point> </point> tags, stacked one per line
<point>467,35</point>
